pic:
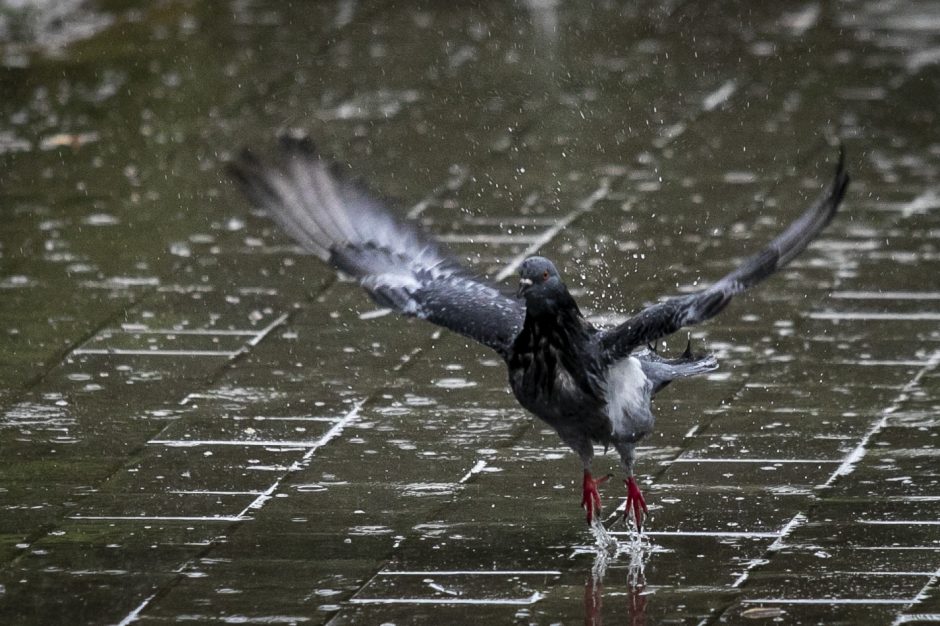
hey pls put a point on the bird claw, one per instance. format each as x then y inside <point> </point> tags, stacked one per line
<point>635,502</point>
<point>590,497</point>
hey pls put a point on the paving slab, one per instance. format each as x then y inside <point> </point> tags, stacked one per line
<point>198,422</point>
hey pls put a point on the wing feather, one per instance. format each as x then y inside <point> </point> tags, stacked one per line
<point>398,265</point>
<point>665,318</point>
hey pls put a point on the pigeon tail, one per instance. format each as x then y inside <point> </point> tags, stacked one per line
<point>661,371</point>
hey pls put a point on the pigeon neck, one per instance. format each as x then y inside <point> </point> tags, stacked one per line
<point>558,310</point>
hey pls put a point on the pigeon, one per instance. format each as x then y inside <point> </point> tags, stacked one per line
<point>594,386</point>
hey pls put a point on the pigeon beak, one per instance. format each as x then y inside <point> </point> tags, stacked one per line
<point>524,283</point>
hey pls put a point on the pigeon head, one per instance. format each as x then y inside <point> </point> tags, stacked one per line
<point>540,284</point>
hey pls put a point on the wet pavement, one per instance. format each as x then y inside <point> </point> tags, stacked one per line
<point>200,424</point>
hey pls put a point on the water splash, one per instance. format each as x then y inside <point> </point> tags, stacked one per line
<point>605,542</point>
<point>636,550</point>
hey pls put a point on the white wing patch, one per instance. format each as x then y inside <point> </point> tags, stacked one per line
<point>628,398</point>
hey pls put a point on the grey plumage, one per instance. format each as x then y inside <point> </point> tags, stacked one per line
<point>662,371</point>
<point>400,268</point>
<point>593,386</point>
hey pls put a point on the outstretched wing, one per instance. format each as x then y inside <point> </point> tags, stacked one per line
<point>401,268</point>
<point>659,320</point>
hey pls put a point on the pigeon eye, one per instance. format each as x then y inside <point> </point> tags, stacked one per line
<point>545,275</point>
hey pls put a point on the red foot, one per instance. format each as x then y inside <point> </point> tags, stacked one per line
<point>636,502</point>
<point>590,498</point>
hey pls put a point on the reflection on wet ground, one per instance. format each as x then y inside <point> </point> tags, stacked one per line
<point>198,423</point>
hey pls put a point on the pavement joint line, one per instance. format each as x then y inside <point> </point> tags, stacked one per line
<point>76,348</point>
<point>484,572</point>
<point>257,335</point>
<point>159,518</point>
<point>254,341</point>
<point>798,520</point>
<point>228,397</point>
<point>517,220</point>
<point>187,443</point>
<point>124,352</point>
<point>185,289</point>
<point>935,548</point>
<point>292,418</point>
<point>188,331</point>
<point>916,316</point>
<point>891,522</point>
<point>487,238</point>
<point>685,487</point>
<point>859,452</point>
<point>268,250</point>
<point>583,207</point>
<point>702,533</point>
<point>478,467</point>
<point>62,355</point>
<point>784,532</point>
<point>922,594</point>
<point>535,597</point>
<point>885,295</point>
<point>876,573</point>
<point>851,459</point>
<point>891,256</point>
<point>337,428</point>
<point>824,601</point>
<point>264,496</point>
<point>884,362</point>
<point>203,492</point>
<point>134,615</point>
<point>714,460</point>
<point>230,354</point>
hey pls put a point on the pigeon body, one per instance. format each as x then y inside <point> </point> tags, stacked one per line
<point>593,386</point>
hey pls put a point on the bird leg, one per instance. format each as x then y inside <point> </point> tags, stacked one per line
<point>590,498</point>
<point>636,502</point>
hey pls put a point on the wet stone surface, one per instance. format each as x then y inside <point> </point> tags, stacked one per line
<point>199,423</point>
